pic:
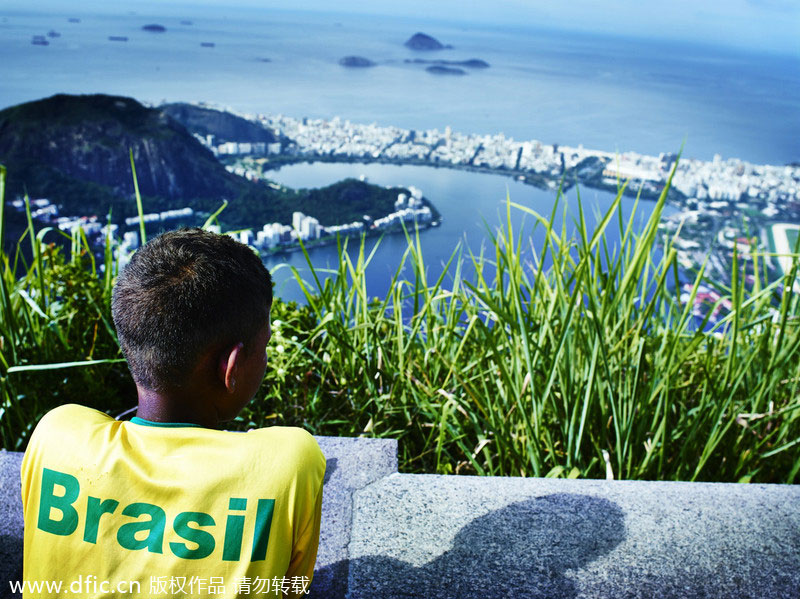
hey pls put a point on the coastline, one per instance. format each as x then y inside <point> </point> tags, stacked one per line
<point>566,181</point>
<point>526,177</point>
<point>333,239</point>
<point>716,200</point>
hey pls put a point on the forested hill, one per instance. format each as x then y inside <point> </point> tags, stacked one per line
<point>222,125</point>
<point>74,150</point>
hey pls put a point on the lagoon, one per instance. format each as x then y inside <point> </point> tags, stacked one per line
<point>473,206</point>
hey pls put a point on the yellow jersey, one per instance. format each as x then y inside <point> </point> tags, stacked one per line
<point>143,509</point>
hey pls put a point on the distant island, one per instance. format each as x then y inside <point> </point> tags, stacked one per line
<point>356,61</point>
<point>154,28</point>
<point>422,41</point>
<point>440,70</point>
<point>472,63</point>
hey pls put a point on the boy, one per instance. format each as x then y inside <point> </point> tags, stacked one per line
<point>167,505</point>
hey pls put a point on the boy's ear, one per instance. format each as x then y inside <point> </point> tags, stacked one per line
<point>229,363</point>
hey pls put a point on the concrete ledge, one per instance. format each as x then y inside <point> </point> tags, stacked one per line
<point>401,535</point>
<point>352,464</point>
<point>11,524</point>
<point>474,537</point>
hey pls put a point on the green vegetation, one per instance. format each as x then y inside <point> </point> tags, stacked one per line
<point>342,202</point>
<point>54,310</point>
<point>66,148</point>
<point>517,369</point>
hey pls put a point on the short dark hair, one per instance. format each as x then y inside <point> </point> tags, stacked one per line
<point>183,293</point>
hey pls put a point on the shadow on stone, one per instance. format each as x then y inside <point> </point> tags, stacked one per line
<point>10,563</point>
<point>330,468</point>
<point>330,581</point>
<point>522,550</point>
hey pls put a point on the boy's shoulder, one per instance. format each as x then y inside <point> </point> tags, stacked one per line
<point>72,422</point>
<point>72,411</point>
<point>296,441</point>
<point>69,419</point>
<point>73,437</point>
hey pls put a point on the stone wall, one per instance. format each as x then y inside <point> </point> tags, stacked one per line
<point>387,535</point>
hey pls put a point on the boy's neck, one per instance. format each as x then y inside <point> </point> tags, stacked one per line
<point>170,407</point>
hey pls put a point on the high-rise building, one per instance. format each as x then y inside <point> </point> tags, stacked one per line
<point>309,228</point>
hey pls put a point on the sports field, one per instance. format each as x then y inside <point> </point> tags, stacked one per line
<point>784,238</point>
<point>791,236</point>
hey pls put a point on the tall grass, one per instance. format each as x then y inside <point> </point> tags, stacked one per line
<point>582,362</point>
<point>57,344</point>
<point>572,359</point>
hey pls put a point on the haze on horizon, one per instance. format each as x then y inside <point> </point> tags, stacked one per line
<point>754,25</point>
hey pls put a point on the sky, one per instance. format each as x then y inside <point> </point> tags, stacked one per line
<point>757,25</point>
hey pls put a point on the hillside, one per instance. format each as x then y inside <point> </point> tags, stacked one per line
<point>74,151</point>
<point>222,125</point>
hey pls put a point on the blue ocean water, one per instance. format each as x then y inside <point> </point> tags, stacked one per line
<point>567,88</point>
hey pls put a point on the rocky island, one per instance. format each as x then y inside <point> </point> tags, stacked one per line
<point>356,62</point>
<point>440,70</point>
<point>472,63</point>
<point>423,41</point>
